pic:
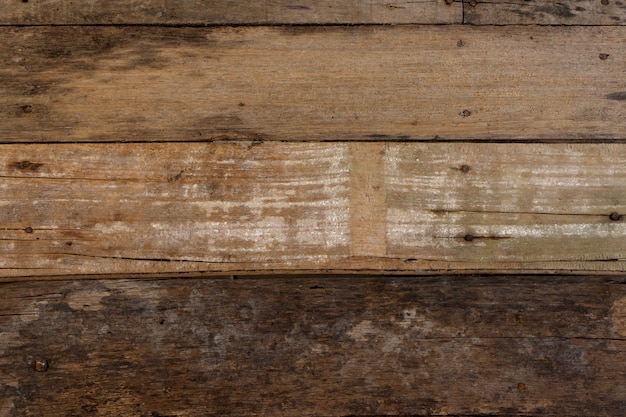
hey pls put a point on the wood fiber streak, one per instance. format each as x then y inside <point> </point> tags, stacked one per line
<point>82,84</point>
<point>90,209</point>
<point>227,12</point>
<point>545,12</point>
<point>516,345</point>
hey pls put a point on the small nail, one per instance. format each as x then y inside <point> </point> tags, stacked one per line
<point>603,57</point>
<point>521,386</point>
<point>465,168</point>
<point>449,2</point>
<point>27,109</point>
<point>468,238</point>
<point>604,2</point>
<point>465,113</point>
<point>460,43</point>
<point>41,365</point>
<point>615,216</point>
<point>28,229</point>
<point>473,3</point>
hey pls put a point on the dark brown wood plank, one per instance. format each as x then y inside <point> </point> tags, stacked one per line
<point>228,12</point>
<point>544,12</point>
<point>119,209</point>
<point>68,84</point>
<point>515,345</point>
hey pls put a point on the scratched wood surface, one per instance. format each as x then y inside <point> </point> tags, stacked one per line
<point>88,209</point>
<point>67,84</point>
<point>514,345</point>
<point>226,12</point>
<point>544,12</point>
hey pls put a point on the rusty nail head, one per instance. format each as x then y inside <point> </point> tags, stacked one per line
<point>521,386</point>
<point>465,113</point>
<point>465,168</point>
<point>27,108</point>
<point>41,365</point>
<point>460,43</point>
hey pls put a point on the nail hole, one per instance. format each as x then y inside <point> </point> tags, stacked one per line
<point>465,168</point>
<point>28,229</point>
<point>615,216</point>
<point>465,113</point>
<point>468,238</point>
<point>41,365</point>
<point>473,3</point>
<point>27,108</point>
<point>604,2</point>
<point>603,57</point>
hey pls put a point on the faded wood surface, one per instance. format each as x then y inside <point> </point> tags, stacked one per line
<point>544,12</point>
<point>516,345</point>
<point>220,12</point>
<point>87,209</point>
<point>66,84</point>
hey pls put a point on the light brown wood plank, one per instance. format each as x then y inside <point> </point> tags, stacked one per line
<point>545,12</point>
<point>89,209</point>
<point>510,346</point>
<point>312,83</point>
<point>227,12</point>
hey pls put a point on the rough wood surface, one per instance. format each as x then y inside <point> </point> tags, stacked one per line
<point>545,12</point>
<point>85,209</point>
<point>531,346</point>
<point>220,12</point>
<point>67,84</point>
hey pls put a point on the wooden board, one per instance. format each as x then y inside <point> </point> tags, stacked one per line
<point>227,12</point>
<point>545,12</point>
<point>67,84</point>
<point>514,346</point>
<point>89,209</point>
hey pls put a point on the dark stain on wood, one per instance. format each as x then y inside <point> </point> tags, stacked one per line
<point>619,96</point>
<point>27,165</point>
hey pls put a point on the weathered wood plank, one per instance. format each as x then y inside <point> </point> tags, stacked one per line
<point>545,12</point>
<point>302,83</point>
<point>220,12</point>
<point>315,346</point>
<point>88,209</point>
<point>226,12</point>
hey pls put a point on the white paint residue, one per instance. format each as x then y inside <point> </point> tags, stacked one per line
<point>361,331</point>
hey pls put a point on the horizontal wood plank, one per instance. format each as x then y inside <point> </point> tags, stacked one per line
<point>89,209</point>
<point>544,12</point>
<point>68,84</point>
<point>516,345</point>
<point>228,12</point>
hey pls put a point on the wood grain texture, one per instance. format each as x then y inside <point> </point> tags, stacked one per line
<point>513,346</point>
<point>227,12</point>
<point>67,84</point>
<point>545,12</point>
<point>89,209</point>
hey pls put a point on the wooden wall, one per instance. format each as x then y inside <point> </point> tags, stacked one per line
<point>312,208</point>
